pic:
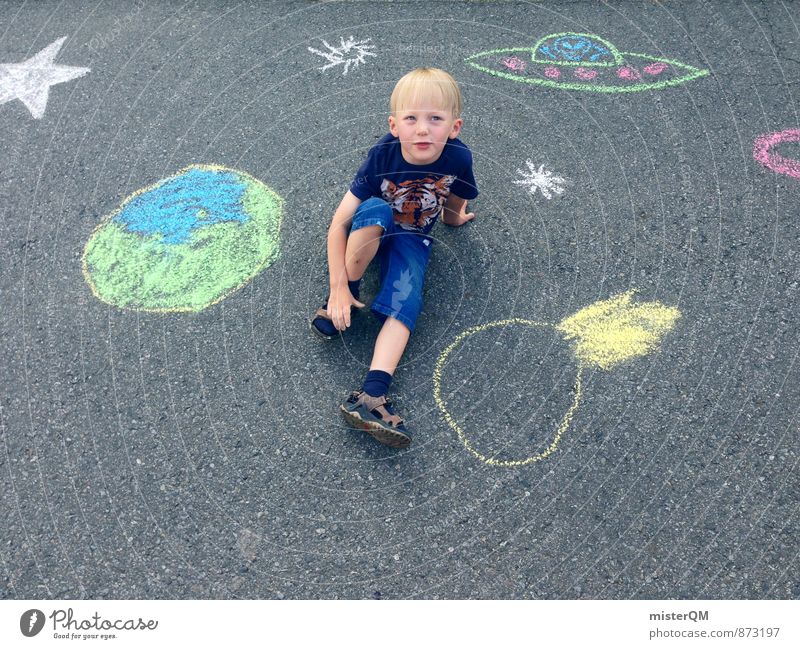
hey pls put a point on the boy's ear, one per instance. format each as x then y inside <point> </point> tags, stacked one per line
<point>456,128</point>
<point>393,126</point>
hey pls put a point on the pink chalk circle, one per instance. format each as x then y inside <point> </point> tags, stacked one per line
<point>552,73</point>
<point>656,68</point>
<point>514,63</point>
<point>628,73</point>
<point>762,152</point>
<point>585,74</point>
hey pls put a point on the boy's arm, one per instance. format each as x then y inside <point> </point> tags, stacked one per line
<point>340,298</point>
<point>337,238</point>
<point>455,211</point>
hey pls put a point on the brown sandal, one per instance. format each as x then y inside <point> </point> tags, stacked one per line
<point>374,415</point>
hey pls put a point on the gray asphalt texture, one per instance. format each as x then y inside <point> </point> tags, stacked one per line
<point>203,455</point>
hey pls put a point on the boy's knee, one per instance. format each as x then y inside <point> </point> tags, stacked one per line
<point>376,209</point>
<point>361,248</point>
<point>370,232</point>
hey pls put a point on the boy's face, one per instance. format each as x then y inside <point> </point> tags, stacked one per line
<point>423,132</point>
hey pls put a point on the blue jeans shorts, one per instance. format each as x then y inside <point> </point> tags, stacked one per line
<point>403,257</point>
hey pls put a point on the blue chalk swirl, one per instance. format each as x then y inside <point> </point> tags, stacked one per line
<point>575,48</point>
<point>181,205</point>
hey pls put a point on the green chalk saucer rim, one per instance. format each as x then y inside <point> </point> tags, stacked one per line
<point>621,85</point>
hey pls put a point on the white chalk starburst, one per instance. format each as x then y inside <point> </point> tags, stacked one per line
<point>350,52</point>
<point>541,179</point>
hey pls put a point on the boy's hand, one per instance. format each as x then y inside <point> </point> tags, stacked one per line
<point>339,303</point>
<point>455,211</point>
<point>462,218</point>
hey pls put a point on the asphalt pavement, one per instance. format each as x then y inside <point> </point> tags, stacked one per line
<point>202,454</point>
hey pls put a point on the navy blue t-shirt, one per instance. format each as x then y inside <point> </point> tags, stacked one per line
<point>417,193</point>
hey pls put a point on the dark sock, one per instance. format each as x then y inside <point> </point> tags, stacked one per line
<point>354,288</point>
<point>325,326</point>
<point>377,383</point>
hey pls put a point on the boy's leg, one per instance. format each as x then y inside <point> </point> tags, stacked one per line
<point>369,408</point>
<point>372,218</point>
<point>398,304</point>
<point>362,245</point>
<point>370,221</point>
<point>389,346</point>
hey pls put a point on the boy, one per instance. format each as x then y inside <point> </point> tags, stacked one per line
<point>415,173</point>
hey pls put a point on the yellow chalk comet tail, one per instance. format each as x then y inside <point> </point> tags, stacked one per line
<point>603,335</point>
<point>611,331</point>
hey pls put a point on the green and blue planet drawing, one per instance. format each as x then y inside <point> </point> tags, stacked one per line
<point>186,242</point>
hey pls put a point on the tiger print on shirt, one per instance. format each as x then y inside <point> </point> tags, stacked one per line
<point>417,203</point>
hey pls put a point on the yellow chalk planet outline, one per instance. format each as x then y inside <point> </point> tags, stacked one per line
<point>437,395</point>
<point>604,334</point>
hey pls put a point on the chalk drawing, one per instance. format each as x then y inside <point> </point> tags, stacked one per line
<point>574,61</point>
<point>514,63</point>
<point>585,74</point>
<point>602,335</point>
<point>349,52</point>
<point>655,68</point>
<point>186,242</point>
<point>541,179</point>
<point>628,73</point>
<point>762,152</point>
<point>30,80</point>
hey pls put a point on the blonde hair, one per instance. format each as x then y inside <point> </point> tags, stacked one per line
<point>427,87</point>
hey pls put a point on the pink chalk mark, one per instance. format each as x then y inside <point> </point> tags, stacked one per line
<point>628,73</point>
<point>779,164</point>
<point>514,63</point>
<point>655,68</point>
<point>552,73</point>
<point>585,74</point>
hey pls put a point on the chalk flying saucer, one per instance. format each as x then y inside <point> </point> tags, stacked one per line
<point>575,61</point>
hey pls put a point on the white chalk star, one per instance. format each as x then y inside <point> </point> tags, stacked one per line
<point>30,80</point>
<point>541,179</point>
<point>349,52</point>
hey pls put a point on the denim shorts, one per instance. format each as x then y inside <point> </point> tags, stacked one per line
<point>403,257</point>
